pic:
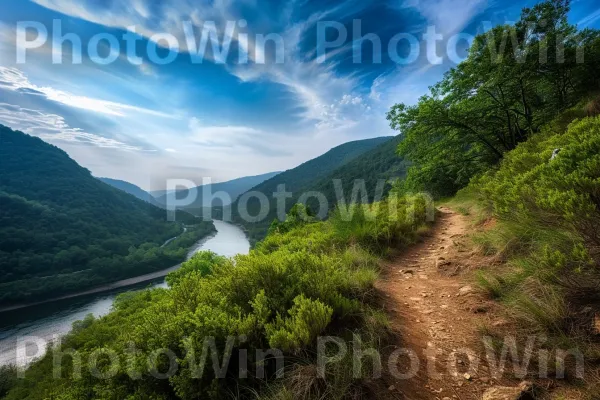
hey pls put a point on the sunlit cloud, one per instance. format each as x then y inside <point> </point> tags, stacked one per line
<point>16,80</point>
<point>52,127</point>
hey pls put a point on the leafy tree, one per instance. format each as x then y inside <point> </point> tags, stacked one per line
<point>515,79</point>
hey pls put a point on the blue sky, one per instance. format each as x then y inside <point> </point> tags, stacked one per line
<point>224,119</point>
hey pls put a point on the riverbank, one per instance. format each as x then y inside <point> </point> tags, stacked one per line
<point>47,320</point>
<point>122,283</point>
<point>115,285</point>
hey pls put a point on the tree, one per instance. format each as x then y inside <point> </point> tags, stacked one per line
<point>516,79</point>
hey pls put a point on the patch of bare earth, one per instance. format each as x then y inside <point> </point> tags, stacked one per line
<point>437,315</point>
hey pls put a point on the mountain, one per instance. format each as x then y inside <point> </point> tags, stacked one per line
<point>62,230</point>
<point>380,163</point>
<point>131,189</point>
<point>305,174</point>
<point>233,188</point>
<point>369,159</point>
<point>158,193</point>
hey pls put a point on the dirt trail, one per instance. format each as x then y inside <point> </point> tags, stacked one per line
<point>435,313</point>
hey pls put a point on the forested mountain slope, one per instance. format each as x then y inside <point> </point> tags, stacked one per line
<point>58,221</point>
<point>366,160</point>
<point>233,188</point>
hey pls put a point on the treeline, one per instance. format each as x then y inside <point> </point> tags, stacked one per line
<point>516,79</point>
<point>63,230</point>
<point>105,268</point>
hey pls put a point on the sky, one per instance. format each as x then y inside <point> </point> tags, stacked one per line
<point>147,106</point>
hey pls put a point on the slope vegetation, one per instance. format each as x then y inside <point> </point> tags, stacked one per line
<point>366,160</point>
<point>62,230</point>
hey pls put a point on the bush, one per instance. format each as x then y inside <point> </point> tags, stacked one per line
<point>308,279</point>
<point>546,196</point>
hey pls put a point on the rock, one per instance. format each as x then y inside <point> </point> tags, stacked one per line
<point>391,388</point>
<point>465,290</point>
<point>507,393</point>
<point>467,377</point>
<point>479,309</point>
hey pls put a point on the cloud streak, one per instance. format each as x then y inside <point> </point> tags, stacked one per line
<point>315,86</point>
<point>52,127</point>
<point>14,79</point>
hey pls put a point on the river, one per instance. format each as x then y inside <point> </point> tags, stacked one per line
<point>47,320</point>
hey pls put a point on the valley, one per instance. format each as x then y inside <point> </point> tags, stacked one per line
<point>55,317</point>
<point>301,224</point>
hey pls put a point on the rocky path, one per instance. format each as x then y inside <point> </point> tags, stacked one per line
<point>438,317</point>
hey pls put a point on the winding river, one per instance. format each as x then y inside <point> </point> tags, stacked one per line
<point>47,320</point>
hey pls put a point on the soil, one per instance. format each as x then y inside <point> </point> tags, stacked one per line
<point>437,313</point>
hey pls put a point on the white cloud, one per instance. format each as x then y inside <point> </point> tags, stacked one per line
<point>14,79</point>
<point>314,85</point>
<point>448,16</point>
<point>589,20</point>
<point>220,135</point>
<point>53,127</point>
<point>147,70</point>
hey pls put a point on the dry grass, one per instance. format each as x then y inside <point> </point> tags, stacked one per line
<point>592,108</point>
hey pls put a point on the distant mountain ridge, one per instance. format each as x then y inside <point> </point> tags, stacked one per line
<point>234,189</point>
<point>369,159</point>
<point>132,189</point>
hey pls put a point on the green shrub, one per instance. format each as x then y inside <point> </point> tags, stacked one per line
<point>546,197</point>
<point>308,279</point>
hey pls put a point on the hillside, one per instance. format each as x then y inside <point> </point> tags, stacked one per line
<point>62,230</point>
<point>233,188</point>
<point>380,163</point>
<point>131,189</point>
<point>495,297</point>
<point>369,160</point>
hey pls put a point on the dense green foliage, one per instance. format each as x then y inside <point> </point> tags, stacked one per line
<point>62,230</point>
<point>316,278</point>
<point>8,379</point>
<point>545,197</point>
<point>559,202</point>
<point>368,160</point>
<point>515,79</point>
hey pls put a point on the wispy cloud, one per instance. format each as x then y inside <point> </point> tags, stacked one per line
<point>16,80</point>
<point>448,16</point>
<point>231,137</point>
<point>589,20</point>
<point>53,127</point>
<point>315,86</point>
